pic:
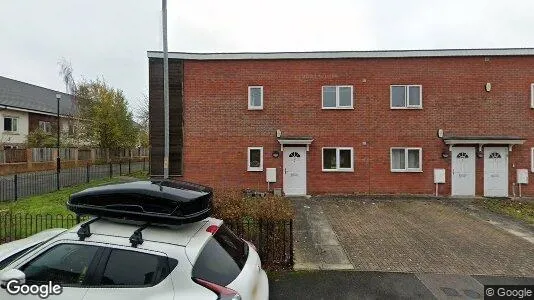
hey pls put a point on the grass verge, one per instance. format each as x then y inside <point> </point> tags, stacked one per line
<point>515,208</point>
<point>50,203</point>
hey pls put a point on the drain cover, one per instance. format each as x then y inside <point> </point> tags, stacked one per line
<point>450,292</point>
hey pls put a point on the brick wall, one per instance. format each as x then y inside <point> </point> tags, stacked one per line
<point>218,128</point>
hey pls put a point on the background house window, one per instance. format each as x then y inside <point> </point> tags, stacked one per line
<point>338,96</point>
<point>406,159</point>
<point>10,124</point>
<point>255,159</point>
<point>338,159</point>
<point>45,126</point>
<point>406,96</point>
<point>255,97</point>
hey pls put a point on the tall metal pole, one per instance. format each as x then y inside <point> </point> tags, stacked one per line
<point>58,159</point>
<point>165,92</point>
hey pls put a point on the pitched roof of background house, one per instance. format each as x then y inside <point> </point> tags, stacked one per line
<point>346,54</point>
<point>21,95</point>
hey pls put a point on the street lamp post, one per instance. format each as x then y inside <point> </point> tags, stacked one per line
<point>58,159</point>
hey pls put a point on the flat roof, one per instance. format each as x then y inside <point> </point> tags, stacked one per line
<point>346,54</point>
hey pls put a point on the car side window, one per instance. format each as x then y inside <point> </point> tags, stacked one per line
<point>132,268</point>
<point>62,264</point>
<point>15,256</point>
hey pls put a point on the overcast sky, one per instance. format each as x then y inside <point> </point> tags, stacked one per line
<point>109,38</point>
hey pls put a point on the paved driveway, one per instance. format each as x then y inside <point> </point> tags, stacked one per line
<point>420,237</point>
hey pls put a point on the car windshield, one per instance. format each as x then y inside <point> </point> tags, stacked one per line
<point>222,259</point>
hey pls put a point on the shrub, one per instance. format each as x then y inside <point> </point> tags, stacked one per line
<point>234,205</point>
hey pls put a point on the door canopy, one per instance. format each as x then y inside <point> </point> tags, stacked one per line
<point>295,141</point>
<point>483,140</point>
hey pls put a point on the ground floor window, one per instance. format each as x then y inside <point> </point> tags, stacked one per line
<point>406,159</point>
<point>255,159</point>
<point>10,124</point>
<point>338,159</point>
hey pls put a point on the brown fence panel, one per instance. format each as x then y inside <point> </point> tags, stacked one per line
<point>15,155</point>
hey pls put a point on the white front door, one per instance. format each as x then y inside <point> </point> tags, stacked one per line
<point>496,172</point>
<point>294,171</point>
<point>463,171</point>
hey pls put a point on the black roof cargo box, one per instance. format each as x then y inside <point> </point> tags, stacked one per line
<point>157,202</point>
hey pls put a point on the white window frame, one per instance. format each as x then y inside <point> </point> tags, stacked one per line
<point>406,169</point>
<point>338,169</point>
<point>250,106</point>
<point>532,160</point>
<point>407,95</point>
<point>16,121</point>
<point>255,169</point>
<point>532,95</point>
<point>337,97</point>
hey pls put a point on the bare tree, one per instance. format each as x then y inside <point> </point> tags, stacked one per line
<point>66,73</point>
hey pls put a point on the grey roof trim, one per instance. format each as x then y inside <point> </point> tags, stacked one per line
<point>7,107</point>
<point>346,54</point>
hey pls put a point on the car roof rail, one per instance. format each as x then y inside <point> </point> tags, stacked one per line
<point>137,237</point>
<point>85,231</point>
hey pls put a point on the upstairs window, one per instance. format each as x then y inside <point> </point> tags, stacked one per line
<point>45,126</point>
<point>338,97</point>
<point>10,124</point>
<point>255,97</point>
<point>406,96</point>
<point>406,159</point>
<point>338,159</point>
<point>255,159</point>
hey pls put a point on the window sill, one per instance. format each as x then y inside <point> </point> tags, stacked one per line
<point>338,108</point>
<point>255,170</point>
<point>406,171</point>
<point>338,171</point>
<point>414,107</point>
<point>11,133</point>
<point>255,108</point>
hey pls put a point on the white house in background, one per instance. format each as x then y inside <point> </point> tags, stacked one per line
<point>25,107</point>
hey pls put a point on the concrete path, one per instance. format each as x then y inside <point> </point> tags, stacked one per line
<point>506,223</point>
<point>316,245</point>
<point>381,285</point>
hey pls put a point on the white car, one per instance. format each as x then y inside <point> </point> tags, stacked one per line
<point>107,258</point>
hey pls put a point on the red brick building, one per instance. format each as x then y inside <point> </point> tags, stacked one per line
<point>374,122</point>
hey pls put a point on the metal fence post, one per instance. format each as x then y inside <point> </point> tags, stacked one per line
<point>110,169</point>
<point>291,261</point>
<point>57,179</point>
<point>88,174</point>
<point>15,181</point>
<point>129,166</point>
<point>143,164</point>
<point>120,167</point>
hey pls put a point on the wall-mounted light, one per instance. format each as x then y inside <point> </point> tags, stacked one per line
<point>276,154</point>
<point>480,154</point>
<point>488,87</point>
<point>445,154</point>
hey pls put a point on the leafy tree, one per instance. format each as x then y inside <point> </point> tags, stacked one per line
<point>40,139</point>
<point>107,122</point>
<point>142,115</point>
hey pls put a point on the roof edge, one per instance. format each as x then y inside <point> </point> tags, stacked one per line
<point>346,54</point>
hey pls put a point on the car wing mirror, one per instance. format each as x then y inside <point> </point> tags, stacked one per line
<point>12,274</point>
